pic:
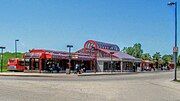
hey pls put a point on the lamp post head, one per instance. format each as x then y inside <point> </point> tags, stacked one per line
<point>1,47</point>
<point>171,3</point>
<point>17,40</point>
<point>70,46</point>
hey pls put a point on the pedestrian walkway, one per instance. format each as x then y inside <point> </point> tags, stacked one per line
<point>107,73</point>
<point>62,74</point>
<point>22,74</point>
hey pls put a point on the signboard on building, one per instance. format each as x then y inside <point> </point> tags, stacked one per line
<point>175,49</point>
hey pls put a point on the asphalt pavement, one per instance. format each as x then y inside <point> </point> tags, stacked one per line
<point>155,86</point>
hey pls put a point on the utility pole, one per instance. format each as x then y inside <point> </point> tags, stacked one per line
<point>16,47</point>
<point>175,48</point>
<point>68,71</point>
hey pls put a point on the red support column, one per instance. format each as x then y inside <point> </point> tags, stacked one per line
<point>95,65</point>
<point>40,65</point>
<point>32,64</point>
<point>91,65</point>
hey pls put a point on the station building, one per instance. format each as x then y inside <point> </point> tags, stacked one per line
<point>41,59</point>
<point>109,57</point>
<point>95,56</point>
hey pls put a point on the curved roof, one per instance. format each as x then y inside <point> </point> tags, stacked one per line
<point>122,55</point>
<point>101,45</point>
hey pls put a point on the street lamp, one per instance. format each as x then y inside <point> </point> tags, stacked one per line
<point>16,47</point>
<point>2,56</point>
<point>69,63</point>
<point>175,48</point>
<point>111,53</point>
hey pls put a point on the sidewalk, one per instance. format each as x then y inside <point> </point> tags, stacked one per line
<point>107,73</point>
<point>118,73</point>
<point>22,74</point>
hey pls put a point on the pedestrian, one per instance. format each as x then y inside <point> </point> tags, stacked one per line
<point>76,68</point>
<point>153,68</point>
<point>134,70</point>
<point>57,68</point>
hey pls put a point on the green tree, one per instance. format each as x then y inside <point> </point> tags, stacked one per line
<point>146,56</point>
<point>128,50</point>
<point>166,59</point>
<point>156,58</point>
<point>137,50</point>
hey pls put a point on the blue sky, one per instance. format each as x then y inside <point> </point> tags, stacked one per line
<point>52,24</point>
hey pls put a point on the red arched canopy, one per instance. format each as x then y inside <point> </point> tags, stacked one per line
<point>100,45</point>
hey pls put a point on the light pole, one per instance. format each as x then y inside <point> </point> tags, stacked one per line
<point>68,71</point>
<point>111,53</point>
<point>175,48</point>
<point>2,56</point>
<point>16,47</point>
<point>95,60</point>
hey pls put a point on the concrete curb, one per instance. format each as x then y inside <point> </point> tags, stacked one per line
<point>25,75</point>
<point>101,74</point>
<point>154,71</point>
<point>38,75</point>
<point>118,73</point>
<point>65,75</point>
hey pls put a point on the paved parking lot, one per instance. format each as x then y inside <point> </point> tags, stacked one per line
<point>134,87</point>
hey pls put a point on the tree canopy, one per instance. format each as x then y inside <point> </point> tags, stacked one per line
<point>167,58</point>
<point>157,56</point>
<point>146,56</point>
<point>128,50</point>
<point>135,51</point>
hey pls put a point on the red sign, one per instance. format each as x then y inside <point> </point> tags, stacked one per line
<point>175,49</point>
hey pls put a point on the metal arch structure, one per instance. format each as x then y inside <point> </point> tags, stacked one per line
<point>100,45</point>
<point>90,44</point>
